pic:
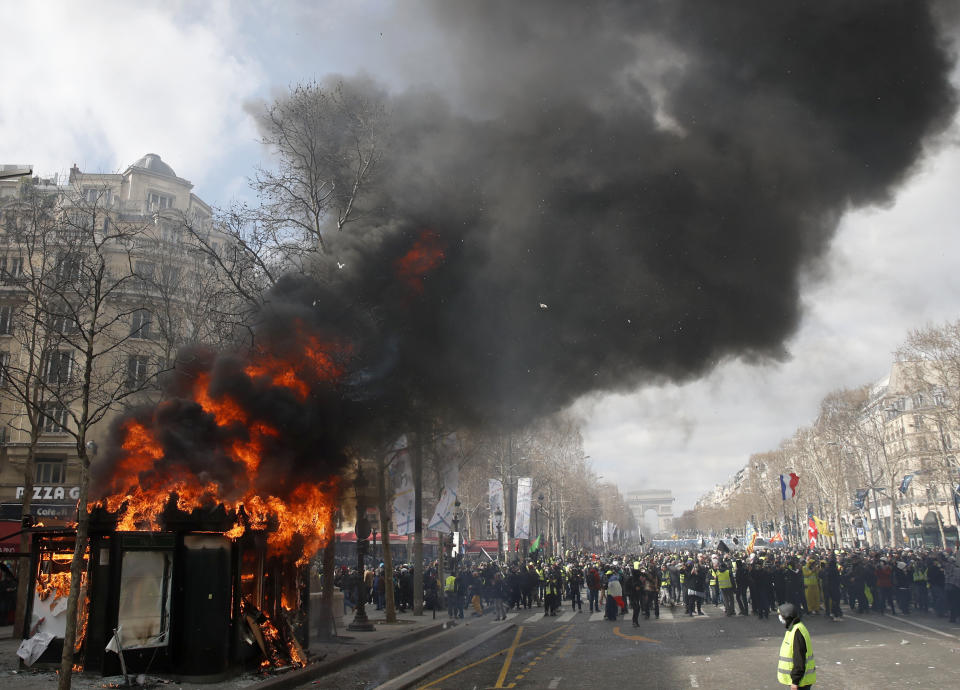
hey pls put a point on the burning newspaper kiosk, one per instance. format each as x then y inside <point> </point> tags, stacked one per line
<point>189,599</point>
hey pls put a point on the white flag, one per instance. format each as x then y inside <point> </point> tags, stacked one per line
<point>524,496</point>
<point>403,498</point>
<point>442,519</point>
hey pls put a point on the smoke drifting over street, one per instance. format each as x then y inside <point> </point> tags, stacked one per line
<point>614,194</point>
<point>628,191</point>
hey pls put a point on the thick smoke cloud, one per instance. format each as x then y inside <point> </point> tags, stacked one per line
<point>630,190</point>
<point>622,192</point>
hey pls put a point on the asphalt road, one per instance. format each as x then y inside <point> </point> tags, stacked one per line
<point>712,651</point>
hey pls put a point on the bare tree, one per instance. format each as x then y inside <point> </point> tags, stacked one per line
<point>26,274</point>
<point>328,141</point>
<point>88,375</point>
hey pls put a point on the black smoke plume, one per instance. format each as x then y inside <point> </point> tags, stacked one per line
<point>621,191</point>
<point>630,190</point>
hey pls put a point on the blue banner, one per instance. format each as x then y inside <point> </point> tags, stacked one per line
<point>905,484</point>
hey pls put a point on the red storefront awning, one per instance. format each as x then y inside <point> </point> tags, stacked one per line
<point>9,537</point>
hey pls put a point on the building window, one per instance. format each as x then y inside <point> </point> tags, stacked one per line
<point>158,202</point>
<point>54,418</point>
<point>11,269</point>
<point>57,367</point>
<point>144,271</point>
<point>137,371</point>
<point>50,472</point>
<point>61,324</point>
<point>70,268</point>
<point>98,195</point>
<point>141,325</point>
<point>170,276</point>
<point>6,319</point>
<point>170,232</point>
<point>4,369</point>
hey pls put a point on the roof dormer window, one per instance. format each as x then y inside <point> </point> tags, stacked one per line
<point>158,202</point>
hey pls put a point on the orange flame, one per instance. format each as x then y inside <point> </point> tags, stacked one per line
<point>425,255</point>
<point>145,479</point>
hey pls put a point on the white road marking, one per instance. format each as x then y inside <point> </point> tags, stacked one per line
<point>887,627</point>
<point>534,618</point>
<point>511,616</point>
<point>596,617</point>
<point>920,625</point>
<point>693,681</point>
<point>566,617</point>
<point>554,684</point>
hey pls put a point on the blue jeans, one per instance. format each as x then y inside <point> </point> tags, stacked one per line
<point>594,598</point>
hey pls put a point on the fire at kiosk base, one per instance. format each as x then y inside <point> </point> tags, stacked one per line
<point>188,601</point>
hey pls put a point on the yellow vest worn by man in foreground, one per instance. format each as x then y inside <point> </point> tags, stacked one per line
<point>796,666</point>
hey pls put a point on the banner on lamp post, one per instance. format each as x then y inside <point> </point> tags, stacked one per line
<point>524,497</point>
<point>496,502</point>
<point>442,519</point>
<point>401,474</point>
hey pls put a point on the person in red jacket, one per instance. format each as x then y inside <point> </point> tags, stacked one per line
<point>594,585</point>
<point>884,587</point>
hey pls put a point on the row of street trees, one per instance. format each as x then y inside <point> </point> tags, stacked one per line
<point>878,456</point>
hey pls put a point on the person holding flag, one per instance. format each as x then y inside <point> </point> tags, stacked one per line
<point>812,532</point>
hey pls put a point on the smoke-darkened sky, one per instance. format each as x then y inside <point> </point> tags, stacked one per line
<point>608,223</point>
<point>666,178</point>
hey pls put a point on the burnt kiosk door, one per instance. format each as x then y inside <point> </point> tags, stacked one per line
<point>202,619</point>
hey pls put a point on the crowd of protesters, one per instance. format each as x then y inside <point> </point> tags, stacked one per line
<point>818,581</point>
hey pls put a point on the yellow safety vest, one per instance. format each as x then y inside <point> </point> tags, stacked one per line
<point>809,577</point>
<point>713,577</point>
<point>785,663</point>
<point>451,583</point>
<point>723,577</point>
<point>920,575</point>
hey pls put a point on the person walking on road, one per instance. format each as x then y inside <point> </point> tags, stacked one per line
<point>594,585</point>
<point>796,665</point>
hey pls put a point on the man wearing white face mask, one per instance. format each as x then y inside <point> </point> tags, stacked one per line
<point>796,666</point>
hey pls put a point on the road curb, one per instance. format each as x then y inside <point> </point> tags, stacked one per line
<point>313,671</point>
<point>415,674</point>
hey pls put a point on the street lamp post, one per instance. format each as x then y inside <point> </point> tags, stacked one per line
<point>499,515</point>
<point>362,529</point>
<point>537,520</point>
<point>455,540</point>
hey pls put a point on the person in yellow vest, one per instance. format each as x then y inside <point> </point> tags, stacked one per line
<point>449,593</point>
<point>725,583</point>
<point>796,665</point>
<point>811,585</point>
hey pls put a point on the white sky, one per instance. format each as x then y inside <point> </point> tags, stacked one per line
<point>102,83</point>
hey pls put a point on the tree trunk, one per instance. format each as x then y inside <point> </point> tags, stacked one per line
<point>893,520</point>
<point>76,573</point>
<point>20,627</point>
<point>391,606</point>
<point>418,524</point>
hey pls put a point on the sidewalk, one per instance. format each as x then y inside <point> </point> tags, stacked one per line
<point>325,657</point>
